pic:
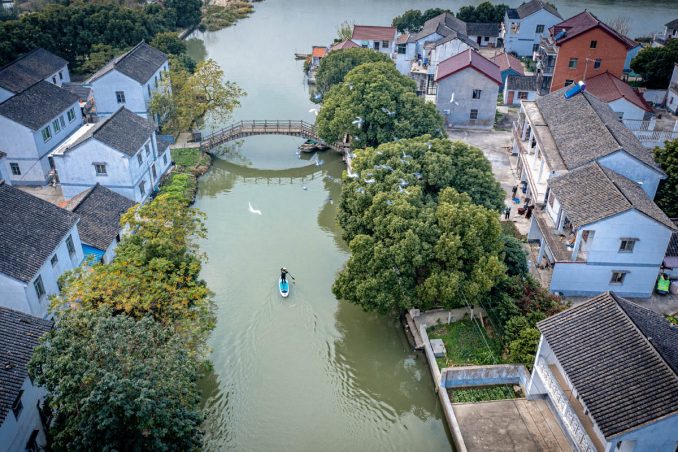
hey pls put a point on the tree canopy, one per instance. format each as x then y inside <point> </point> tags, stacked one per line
<point>486,12</point>
<point>201,96</point>
<point>667,195</point>
<point>334,67</point>
<point>187,11</point>
<point>655,64</point>
<point>376,104</point>
<point>116,383</point>
<point>412,20</point>
<point>415,241</point>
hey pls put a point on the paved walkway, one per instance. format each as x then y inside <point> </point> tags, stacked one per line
<point>510,425</point>
<point>46,193</point>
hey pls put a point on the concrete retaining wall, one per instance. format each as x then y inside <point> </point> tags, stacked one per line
<point>468,376</point>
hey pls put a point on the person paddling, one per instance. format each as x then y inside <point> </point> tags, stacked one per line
<point>284,273</point>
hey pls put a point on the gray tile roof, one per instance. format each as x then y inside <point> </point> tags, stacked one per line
<point>37,105</point>
<point>30,231</point>
<point>81,90</point>
<point>29,69</point>
<point>591,193</point>
<point>19,335</point>
<point>482,29</point>
<point>529,8</point>
<point>124,131</point>
<point>672,25</point>
<point>624,377</point>
<point>522,82</point>
<point>99,210</point>
<point>586,129</point>
<point>442,24</point>
<point>140,63</point>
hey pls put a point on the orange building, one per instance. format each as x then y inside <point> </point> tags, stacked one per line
<point>578,48</point>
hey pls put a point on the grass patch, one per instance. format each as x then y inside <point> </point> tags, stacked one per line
<point>216,17</point>
<point>186,157</point>
<point>482,394</point>
<point>181,186</point>
<point>466,344</point>
<point>509,228</point>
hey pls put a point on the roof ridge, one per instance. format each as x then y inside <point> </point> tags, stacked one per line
<point>631,205</point>
<point>128,53</point>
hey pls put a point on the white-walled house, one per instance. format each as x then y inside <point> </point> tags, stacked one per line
<point>29,69</point>
<point>609,369</point>
<point>524,26</point>
<point>23,419</point>
<point>520,87</point>
<point>381,39</point>
<point>33,123</point>
<point>120,153</point>
<point>622,99</point>
<point>672,92</point>
<point>39,242</point>
<point>99,210</point>
<point>129,80</point>
<point>467,86</point>
<point>484,34</point>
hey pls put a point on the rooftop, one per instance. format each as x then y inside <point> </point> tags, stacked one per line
<point>319,52</point>
<point>347,44</point>
<point>99,210</point>
<point>139,63</point>
<point>608,88</point>
<point>482,29</point>
<point>124,131</point>
<point>51,99</point>
<point>522,82</point>
<point>620,357</point>
<point>373,33</point>
<point>30,231</point>
<point>84,92</point>
<point>673,24</point>
<point>29,69</point>
<point>583,22</point>
<point>583,129</point>
<point>529,8</point>
<point>19,335</point>
<point>468,59</point>
<point>506,61</point>
<point>591,193</point>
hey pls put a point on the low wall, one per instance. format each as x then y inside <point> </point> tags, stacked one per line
<point>500,374</point>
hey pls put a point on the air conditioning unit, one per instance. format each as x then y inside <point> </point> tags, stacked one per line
<point>446,112</point>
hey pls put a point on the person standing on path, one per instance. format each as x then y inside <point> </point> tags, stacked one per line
<point>507,213</point>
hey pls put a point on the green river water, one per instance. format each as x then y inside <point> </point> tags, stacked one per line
<point>308,373</point>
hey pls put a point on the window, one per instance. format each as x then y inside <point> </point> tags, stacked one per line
<point>156,81</point>
<point>522,95</point>
<point>474,114</point>
<point>618,277</point>
<point>573,63</point>
<point>54,260</point>
<point>402,49</point>
<point>155,174</point>
<point>71,115</point>
<point>486,38</point>
<point>142,188</point>
<point>140,159</point>
<point>39,287</point>
<point>62,121</point>
<point>54,80</point>
<point>120,97</point>
<point>568,82</point>
<point>385,43</point>
<point>46,134</point>
<point>56,125</point>
<point>148,149</point>
<point>535,48</point>
<point>16,171</point>
<point>70,246</point>
<point>32,444</point>
<point>17,406</point>
<point>594,44</point>
<point>620,115</point>
<point>540,29</point>
<point>596,63</point>
<point>100,169</point>
<point>626,245</point>
<point>61,75</point>
<point>149,89</point>
<point>476,93</point>
<point>164,158</point>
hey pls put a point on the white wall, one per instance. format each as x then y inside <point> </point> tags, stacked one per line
<point>521,43</point>
<point>628,110</point>
<point>445,51</point>
<point>631,168</point>
<point>15,433</point>
<point>370,45</point>
<point>531,95</point>
<point>660,436</point>
<point>462,84</point>
<point>672,101</point>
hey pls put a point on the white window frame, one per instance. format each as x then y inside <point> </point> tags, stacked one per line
<point>62,121</point>
<point>39,287</point>
<point>140,158</point>
<point>120,97</point>
<point>54,260</point>
<point>13,166</point>
<point>98,166</point>
<point>70,246</point>
<point>470,116</point>
<point>46,134</point>
<point>618,280</point>
<point>71,115</point>
<point>627,244</point>
<point>142,188</point>
<point>56,126</point>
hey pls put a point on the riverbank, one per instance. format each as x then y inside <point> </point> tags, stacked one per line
<point>190,164</point>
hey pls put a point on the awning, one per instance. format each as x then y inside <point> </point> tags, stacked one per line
<point>92,254</point>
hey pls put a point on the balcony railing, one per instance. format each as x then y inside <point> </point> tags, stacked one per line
<point>565,410</point>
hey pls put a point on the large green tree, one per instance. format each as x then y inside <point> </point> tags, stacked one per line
<point>412,20</point>
<point>655,64</point>
<point>376,104</point>
<point>667,195</point>
<point>116,383</point>
<point>486,12</point>
<point>188,11</point>
<point>334,67</point>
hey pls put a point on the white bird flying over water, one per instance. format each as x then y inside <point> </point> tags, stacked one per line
<point>314,111</point>
<point>253,210</point>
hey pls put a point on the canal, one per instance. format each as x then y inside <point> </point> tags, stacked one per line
<point>308,373</point>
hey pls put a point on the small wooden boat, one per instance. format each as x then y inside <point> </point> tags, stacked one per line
<point>284,287</point>
<point>301,56</point>
<point>312,146</point>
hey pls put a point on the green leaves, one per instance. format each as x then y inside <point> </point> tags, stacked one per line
<point>655,64</point>
<point>667,195</point>
<point>334,67</point>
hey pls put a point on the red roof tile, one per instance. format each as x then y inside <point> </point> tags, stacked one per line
<point>373,33</point>
<point>465,59</point>
<point>319,52</point>
<point>608,88</point>
<point>402,39</point>
<point>506,61</point>
<point>584,22</point>
<point>348,44</point>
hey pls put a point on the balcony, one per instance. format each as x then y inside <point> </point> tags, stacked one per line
<point>570,410</point>
<point>537,188</point>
